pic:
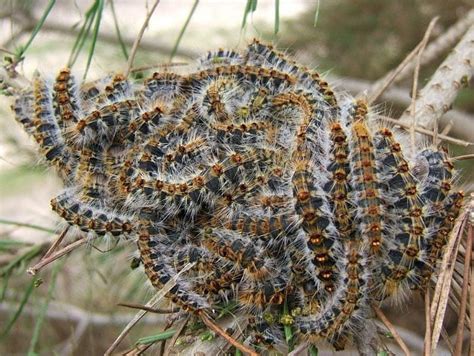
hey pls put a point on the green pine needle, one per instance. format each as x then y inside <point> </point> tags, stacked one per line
<point>316,14</point>
<point>24,300</point>
<point>154,338</point>
<point>117,30</point>
<point>277,17</point>
<point>37,28</point>
<point>183,29</point>
<point>30,226</point>
<point>249,8</point>
<point>92,23</point>
<point>98,18</point>
<point>44,308</point>
<point>313,350</point>
<point>21,260</point>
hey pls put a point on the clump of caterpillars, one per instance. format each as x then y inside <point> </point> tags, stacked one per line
<point>282,195</point>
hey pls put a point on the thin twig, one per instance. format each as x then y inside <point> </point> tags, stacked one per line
<point>299,350</point>
<point>446,130</point>
<point>463,122</point>
<point>427,132</point>
<point>385,82</point>
<point>463,157</point>
<point>53,257</point>
<point>451,76</point>
<point>66,29</point>
<point>216,328</point>
<point>426,347</point>
<point>462,307</point>
<point>151,303</point>
<point>435,133</point>
<point>414,89</point>
<point>392,329</point>
<point>56,243</point>
<point>441,44</point>
<point>148,309</point>
<point>447,341</point>
<point>471,293</point>
<point>178,332</point>
<point>137,350</point>
<point>139,38</point>
<point>433,50</point>
<point>158,65</point>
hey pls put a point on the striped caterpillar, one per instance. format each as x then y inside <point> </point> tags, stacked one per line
<point>283,195</point>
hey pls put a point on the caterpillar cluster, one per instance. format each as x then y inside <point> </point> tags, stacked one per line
<point>250,167</point>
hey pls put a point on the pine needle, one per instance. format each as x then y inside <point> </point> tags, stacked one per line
<point>39,25</point>
<point>43,310</point>
<point>183,29</point>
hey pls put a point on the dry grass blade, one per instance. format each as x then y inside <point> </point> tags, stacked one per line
<point>392,329</point>
<point>216,328</point>
<point>414,88</point>
<point>151,303</point>
<point>46,260</point>
<point>133,53</point>
<point>385,82</point>
<point>462,307</point>
<point>443,285</point>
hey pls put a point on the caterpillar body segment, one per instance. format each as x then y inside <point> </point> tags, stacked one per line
<point>66,100</point>
<point>322,238</point>
<point>89,218</point>
<point>160,272</point>
<point>438,181</point>
<point>346,309</point>
<point>46,130</point>
<point>338,186</point>
<point>260,54</point>
<point>405,204</point>
<point>23,107</point>
<point>365,181</point>
<point>162,87</point>
<point>437,239</point>
<point>218,58</point>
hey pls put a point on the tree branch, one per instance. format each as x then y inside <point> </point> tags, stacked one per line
<point>463,122</point>
<point>437,96</point>
<point>432,51</point>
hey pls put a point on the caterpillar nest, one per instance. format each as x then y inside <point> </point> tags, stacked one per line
<point>283,196</point>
